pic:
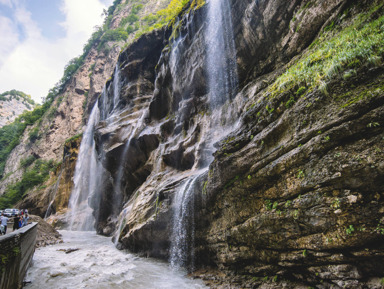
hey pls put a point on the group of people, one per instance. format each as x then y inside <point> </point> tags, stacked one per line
<point>19,221</point>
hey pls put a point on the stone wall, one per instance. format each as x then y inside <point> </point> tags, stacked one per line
<point>16,253</point>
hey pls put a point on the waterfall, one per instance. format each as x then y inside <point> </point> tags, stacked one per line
<point>116,86</point>
<point>222,81</point>
<point>221,53</point>
<point>86,179</point>
<point>103,99</point>
<point>182,249</point>
<point>118,197</point>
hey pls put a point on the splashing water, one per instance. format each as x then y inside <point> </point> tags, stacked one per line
<point>98,264</point>
<point>86,179</point>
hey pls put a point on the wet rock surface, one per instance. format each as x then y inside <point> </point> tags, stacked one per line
<point>293,197</point>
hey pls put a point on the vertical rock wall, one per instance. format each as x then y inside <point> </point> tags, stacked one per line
<point>286,197</point>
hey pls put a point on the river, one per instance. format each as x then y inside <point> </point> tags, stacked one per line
<point>97,265</point>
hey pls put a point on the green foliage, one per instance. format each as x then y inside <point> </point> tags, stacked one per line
<point>301,91</point>
<point>335,53</point>
<point>290,102</point>
<point>373,124</point>
<point>350,230</point>
<point>27,161</point>
<point>136,8</point>
<point>9,138</point>
<point>113,35</point>
<point>166,16</point>
<point>270,206</point>
<point>300,174</point>
<point>73,138</point>
<point>37,175</point>
<point>205,188</point>
<point>269,109</point>
<point>113,7</point>
<point>34,135</point>
<point>130,29</point>
<point>16,94</point>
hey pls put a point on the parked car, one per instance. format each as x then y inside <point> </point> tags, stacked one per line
<point>8,212</point>
<point>15,212</point>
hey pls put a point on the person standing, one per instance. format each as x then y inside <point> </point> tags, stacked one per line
<point>21,218</point>
<point>16,222</point>
<point>4,222</point>
<point>25,219</point>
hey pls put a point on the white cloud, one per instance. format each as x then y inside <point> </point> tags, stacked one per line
<point>8,38</point>
<point>36,64</point>
<point>81,18</point>
<point>6,2</point>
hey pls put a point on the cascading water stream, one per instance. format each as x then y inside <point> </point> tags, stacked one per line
<point>221,53</point>
<point>118,197</point>
<point>55,189</point>
<point>182,252</point>
<point>116,86</point>
<point>222,81</point>
<point>86,179</point>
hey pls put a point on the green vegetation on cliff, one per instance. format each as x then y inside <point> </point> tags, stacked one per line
<point>19,95</point>
<point>336,53</point>
<point>10,135</point>
<point>33,177</point>
<point>166,16</point>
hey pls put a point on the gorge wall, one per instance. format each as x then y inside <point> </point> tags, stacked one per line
<point>268,176</point>
<point>59,131</point>
<point>293,195</point>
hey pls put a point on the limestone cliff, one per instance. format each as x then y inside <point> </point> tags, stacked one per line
<point>68,114</point>
<point>270,175</point>
<point>12,104</point>
<point>293,194</point>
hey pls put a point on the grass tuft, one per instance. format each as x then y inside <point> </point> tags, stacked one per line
<point>336,53</point>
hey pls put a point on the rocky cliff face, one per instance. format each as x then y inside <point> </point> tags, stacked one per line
<point>293,195</point>
<point>12,105</point>
<point>66,118</point>
<point>273,178</point>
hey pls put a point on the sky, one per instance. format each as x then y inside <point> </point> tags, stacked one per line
<point>39,37</point>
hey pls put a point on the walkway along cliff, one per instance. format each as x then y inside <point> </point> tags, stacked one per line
<point>245,140</point>
<point>16,253</point>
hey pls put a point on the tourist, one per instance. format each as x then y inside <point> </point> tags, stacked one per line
<point>4,222</point>
<point>16,222</point>
<point>25,219</point>
<point>21,221</point>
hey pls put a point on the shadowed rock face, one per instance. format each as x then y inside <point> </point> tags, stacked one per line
<point>294,192</point>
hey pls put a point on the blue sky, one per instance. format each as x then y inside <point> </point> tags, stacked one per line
<point>39,37</point>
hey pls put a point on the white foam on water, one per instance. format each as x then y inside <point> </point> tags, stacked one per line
<point>98,265</point>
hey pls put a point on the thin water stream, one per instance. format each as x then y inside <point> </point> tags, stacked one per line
<point>98,265</point>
